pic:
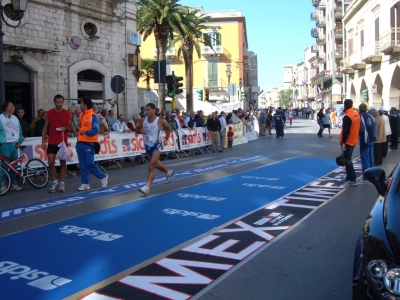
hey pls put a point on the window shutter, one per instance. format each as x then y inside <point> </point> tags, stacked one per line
<point>377,29</point>
<point>218,39</point>
<point>207,39</point>
<point>362,38</point>
<point>351,46</point>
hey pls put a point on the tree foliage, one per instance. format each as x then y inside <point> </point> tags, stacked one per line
<point>285,97</point>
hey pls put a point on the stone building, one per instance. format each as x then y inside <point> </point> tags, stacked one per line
<point>40,60</point>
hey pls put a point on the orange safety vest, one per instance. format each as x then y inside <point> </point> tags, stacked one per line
<point>86,124</point>
<point>352,139</point>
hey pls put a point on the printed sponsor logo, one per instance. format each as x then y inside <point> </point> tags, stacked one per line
<point>185,213</point>
<point>264,186</point>
<point>266,219</point>
<point>263,178</point>
<point>95,234</point>
<point>38,279</point>
<point>210,198</point>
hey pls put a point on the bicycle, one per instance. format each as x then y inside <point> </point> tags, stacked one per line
<point>34,170</point>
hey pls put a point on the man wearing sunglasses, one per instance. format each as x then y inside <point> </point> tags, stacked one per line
<point>120,125</point>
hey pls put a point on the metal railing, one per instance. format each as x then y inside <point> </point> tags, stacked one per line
<point>321,22</point>
<point>313,17</point>
<point>314,32</point>
<point>388,38</point>
<point>371,48</point>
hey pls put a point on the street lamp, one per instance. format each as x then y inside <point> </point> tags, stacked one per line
<point>19,7</point>
<point>228,72</point>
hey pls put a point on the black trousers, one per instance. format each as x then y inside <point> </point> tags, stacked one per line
<point>279,129</point>
<point>394,139</point>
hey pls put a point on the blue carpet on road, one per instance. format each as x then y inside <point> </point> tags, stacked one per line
<point>61,259</point>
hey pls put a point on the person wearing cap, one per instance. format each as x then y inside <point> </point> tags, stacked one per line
<point>367,140</point>
<point>171,121</point>
<point>388,131</point>
<point>348,138</point>
<point>394,125</point>
<point>222,133</point>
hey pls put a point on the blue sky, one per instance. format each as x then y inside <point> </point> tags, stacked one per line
<point>277,30</point>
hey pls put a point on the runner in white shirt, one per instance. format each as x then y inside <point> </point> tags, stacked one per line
<point>150,127</point>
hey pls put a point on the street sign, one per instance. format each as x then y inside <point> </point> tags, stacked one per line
<point>118,84</point>
<point>75,43</point>
<point>374,88</point>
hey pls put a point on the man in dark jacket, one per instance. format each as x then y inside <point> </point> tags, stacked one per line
<point>394,124</point>
<point>25,127</point>
<point>280,119</point>
<point>214,126</point>
<point>367,139</point>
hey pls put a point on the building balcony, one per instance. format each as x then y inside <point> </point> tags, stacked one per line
<point>339,52</point>
<point>321,23</point>
<point>371,53</point>
<point>321,77</point>
<point>321,40</point>
<point>171,52</point>
<point>314,48</point>
<point>322,4</point>
<point>339,13</point>
<point>339,33</point>
<point>389,41</point>
<point>314,32</point>
<point>216,50</point>
<point>321,58</point>
<point>344,67</point>
<point>315,67</point>
<point>315,2</point>
<point>355,62</point>
<point>339,74</point>
<point>313,17</point>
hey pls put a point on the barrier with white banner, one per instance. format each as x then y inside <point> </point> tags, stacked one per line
<point>249,131</point>
<point>190,139</point>
<point>112,146</point>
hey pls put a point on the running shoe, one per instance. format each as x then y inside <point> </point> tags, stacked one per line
<point>353,183</point>
<point>104,182</point>
<point>362,180</point>
<point>15,187</point>
<point>61,188</point>
<point>145,190</point>
<point>54,187</point>
<point>168,177</point>
<point>84,187</point>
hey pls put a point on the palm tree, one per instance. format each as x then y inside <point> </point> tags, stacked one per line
<point>146,71</point>
<point>161,18</point>
<point>189,40</point>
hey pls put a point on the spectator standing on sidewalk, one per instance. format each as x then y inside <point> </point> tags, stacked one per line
<point>214,126</point>
<point>262,121</point>
<point>327,122</point>
<point>25,127</point>
<point>394,124</point>
<point>320,120</point>
<point>88,135</point>
<point>388,131</point>
<point>280,119</point>
<point>230,137</point>
<point>120,125</point>
<point>222,120</point>
<point>40,113</point>
<point>110,119</point>
<point>367,139</point>
<point>349,138</point>
<point>380,137</point>
<point>58,121</point>
<point>10,140</point>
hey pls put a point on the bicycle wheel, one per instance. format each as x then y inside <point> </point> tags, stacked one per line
<point>37,173</point>
<point>5,181</point>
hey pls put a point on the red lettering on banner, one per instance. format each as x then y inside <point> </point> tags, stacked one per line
<point>114,146</point>
<point>42,154</point>
<point>137,142</point>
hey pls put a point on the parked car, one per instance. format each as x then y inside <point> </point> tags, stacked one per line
<point>376,270</point>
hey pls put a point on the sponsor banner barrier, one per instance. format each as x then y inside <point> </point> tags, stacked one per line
<point>100,243</point>
<point>113,146</point>
<point>249,131</point>
<point>238,137</point>
<point>190,139</point>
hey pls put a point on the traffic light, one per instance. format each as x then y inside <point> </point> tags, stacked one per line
<point>170,81</point>
<point>365,95</point>
<point>207,94</point>
<point>178,85</point>
<point>241,95</point>
<point>199,95</point>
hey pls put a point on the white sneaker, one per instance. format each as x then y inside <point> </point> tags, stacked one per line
<point>104,182</point>
<point>15,187</point>
<point>168,177</point>
<point>84,187</point>
<point>54,187</point>
<point>145,190</point>
<point>61,188</point>
<point>362,180</point>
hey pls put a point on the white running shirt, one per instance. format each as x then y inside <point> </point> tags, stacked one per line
<point>152,135</point>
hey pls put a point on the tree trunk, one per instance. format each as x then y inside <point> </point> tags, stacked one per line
<point>188,58</point>
<point>161,32</point>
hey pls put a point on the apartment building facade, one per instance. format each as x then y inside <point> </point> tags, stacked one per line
<point>373,52</point>
<point>328,48</point>
<point>73,49</point>
<point>230,51</point>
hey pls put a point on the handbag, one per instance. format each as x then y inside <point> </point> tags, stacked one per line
<point>63,153</point>
<point>341,160</point>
